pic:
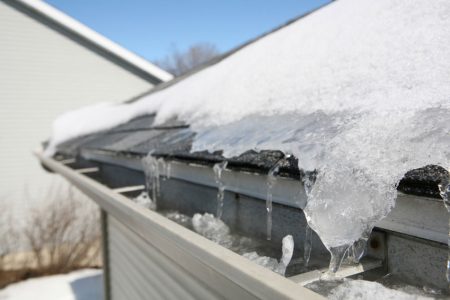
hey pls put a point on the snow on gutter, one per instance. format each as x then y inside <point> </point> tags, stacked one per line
<point>187,249</point>
<point>98,40</point>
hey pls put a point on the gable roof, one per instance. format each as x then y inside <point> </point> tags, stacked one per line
<point>82,34</point>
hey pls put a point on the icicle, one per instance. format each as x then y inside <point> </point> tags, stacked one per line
<point>287,250</point>
<point>162,165</point>
<point>307,246</point>
<point>271,180</point>
<point>218,168</point>
<point>308,182</point>
<point>168,170</point>
<point>337,255</point>
<point>358,249</point>
<point>444,190</point>
<point>151,170</point>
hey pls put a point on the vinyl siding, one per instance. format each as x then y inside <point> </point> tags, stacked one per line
<point>43,73</point>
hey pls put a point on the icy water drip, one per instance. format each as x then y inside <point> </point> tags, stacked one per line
<point>165,168</point>
<point>151,170</point>
<point>337,256</point>
<point>307,246</point>
<point>357,250</point>
<point>444,189</point>
<point>218,169</point>
<point>271,181</point>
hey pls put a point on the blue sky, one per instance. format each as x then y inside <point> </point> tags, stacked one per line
<point>152,28</point>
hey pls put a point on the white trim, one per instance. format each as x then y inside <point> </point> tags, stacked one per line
<point>94,37</point>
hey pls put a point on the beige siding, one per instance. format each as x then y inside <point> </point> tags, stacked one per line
<point>43,74</point>
<point>140,271</point>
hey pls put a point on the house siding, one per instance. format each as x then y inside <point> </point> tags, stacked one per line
<point>43,73</point>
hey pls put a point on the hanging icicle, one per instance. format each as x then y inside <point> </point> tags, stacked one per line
<point>218,169</point>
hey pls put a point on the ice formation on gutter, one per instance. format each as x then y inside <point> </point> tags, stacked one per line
<point>366,290</point>
<point>359,91</point>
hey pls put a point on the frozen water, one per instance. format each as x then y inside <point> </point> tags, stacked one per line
<point>217,231</point>
<point>213,229</point>
<point>361,289</point>
<point>144,200</point>
<point>271,263</point>
<point>264,261</point>
<point>358,91</point>
<point>271,180</point>
<point>218,169</point>
<point>179,218</point>
<point>307,246</point>
<point>444,189</point>
<point>287,250</point>
<point>151,169</point>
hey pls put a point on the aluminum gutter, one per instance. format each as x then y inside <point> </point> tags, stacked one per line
<point>217,267</point>
<point>420,217</point>
<point>84,32</point>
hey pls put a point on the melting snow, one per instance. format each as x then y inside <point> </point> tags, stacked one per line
<point>361,289</point>
<point>359,91</point>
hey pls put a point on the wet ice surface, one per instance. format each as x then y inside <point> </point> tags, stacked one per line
<point>444,189</point>
<point>217,231</point>
<point>360,289</point>
<point>348,289</point>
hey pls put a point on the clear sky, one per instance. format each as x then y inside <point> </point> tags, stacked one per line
<point>151,28</point>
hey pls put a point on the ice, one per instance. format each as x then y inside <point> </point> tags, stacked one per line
<point>361,289</point>
<point>179,218</point>
<point>307,247</point>
<point>287,250</point>
<point>271,180</point>
<point>213,229</point>
<point>358,91</point>
<point>264,261</point>
<point>217,231</point>
<point>144,200</point>
<point>444,189</point>
<point>151,169</point>
<point>272,263</point>
<point>218,169</point>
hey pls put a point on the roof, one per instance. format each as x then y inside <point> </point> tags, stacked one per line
<point>76,30</point>
<point>357,92</point>
<point>173,141</point>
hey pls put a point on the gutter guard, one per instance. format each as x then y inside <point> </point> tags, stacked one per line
<point>215,266</point>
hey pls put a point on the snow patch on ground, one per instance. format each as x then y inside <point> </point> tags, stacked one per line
<point>79,285</point>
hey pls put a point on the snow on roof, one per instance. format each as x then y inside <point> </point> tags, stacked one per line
<point>359,90</point>
<point>100,41</point>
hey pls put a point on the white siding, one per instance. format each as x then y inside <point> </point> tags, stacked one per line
<point>43,74</point>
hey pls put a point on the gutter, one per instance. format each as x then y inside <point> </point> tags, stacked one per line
<point>197,255</point>
<point>417,216</point>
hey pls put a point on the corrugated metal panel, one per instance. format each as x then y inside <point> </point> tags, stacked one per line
<point>43,74</point>
<point>139,271</point>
